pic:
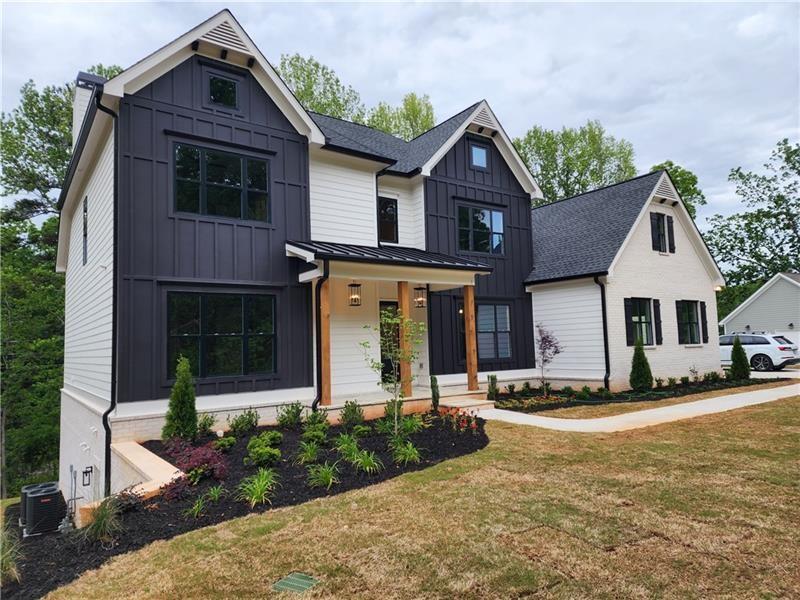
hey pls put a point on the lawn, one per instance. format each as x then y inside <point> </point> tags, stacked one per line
<point>697,508</point>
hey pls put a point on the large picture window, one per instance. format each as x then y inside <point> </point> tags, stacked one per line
<point>221,334</point>
<point>688,321</point>
<point>387,220</point>
<point>212,182</point>
<point>480,230</point>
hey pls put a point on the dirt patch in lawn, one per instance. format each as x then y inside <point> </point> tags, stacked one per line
<point>52,560</point>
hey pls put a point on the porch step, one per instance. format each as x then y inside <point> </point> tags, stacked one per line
<point>476,401</point>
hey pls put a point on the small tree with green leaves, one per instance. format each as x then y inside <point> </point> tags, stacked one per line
<point>181,419</point>
<point>740,366</point>
<point>641,377</point>
<point>398,342</point>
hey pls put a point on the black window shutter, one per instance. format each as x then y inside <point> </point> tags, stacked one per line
<point>657,321</point>
<point>704,322</point>
<point>671,235</point>
<point>681,336</point>
<point>629,322</point>
<point>654,231</point>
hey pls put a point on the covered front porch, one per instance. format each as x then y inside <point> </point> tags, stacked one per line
<point>352,284</point>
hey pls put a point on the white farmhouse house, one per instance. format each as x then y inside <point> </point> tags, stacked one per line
<point>774,308</point>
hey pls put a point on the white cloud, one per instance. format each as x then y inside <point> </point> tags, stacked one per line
<point>757,25</point>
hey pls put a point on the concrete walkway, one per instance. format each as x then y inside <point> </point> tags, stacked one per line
<point>645,418</point>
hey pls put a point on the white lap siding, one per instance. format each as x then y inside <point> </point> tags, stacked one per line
<point>410,209</point>
<point>572,312</point>
<point>641,272</point>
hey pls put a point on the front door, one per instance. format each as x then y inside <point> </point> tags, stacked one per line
<point>387,364</point>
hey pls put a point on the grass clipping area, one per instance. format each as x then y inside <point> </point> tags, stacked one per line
<point>697,508</point>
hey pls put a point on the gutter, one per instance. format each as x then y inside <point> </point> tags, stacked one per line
<point>605,330</point>
<point>114,271</point>
<point>318,318</point>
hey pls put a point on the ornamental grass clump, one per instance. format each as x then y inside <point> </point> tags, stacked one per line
<point>740,366</point>
<point>405,453</point>
<point>10,554</point>
<point>258,488</point>
<point>641,378</point>
<point>105,522</point>
<point>308,452</point>
<point>181,418</point>
<point>325,475</point>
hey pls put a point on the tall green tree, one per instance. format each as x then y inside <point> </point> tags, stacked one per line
<point>413,117</point>
<point>686,183</point>
<point>763,238</point>
<point>319,89</point>
<point>575,160</point>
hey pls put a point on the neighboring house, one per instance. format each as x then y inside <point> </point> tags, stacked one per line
<point>619,263</point>
<point>205,213</point>
<point>773,308</point>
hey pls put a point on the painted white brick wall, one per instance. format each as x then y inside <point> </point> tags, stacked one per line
<point>644,273</point>
<point>81,444</point>
<point>410,209</point>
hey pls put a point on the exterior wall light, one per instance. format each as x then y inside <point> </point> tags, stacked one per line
<point>791,325</point>
<point>420,297</point>
<point>354,294</point>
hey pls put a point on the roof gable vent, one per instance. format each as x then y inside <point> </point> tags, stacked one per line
<point>664,190</point>
<point>484,118</point>
<point>225,35</point>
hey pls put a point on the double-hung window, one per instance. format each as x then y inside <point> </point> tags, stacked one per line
<point>642,318</point>
<point>662,232</point>
<point>480,230</point>
<point>221,334</point>
<point>493,331</point>
<point>213,182</point>
<point>688,321</point>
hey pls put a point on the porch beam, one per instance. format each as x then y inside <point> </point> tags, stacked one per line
<point>471,337</point>
<point>404,305</point>
<point>325,342</point>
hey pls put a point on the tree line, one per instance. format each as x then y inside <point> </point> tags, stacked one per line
<point>762,238</point>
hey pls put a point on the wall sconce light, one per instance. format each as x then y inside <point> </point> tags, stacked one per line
<point>420,297</point>
<point>354,294</point>
<point>86,476</point>
<point>747,327</point>
<point>791,325</point>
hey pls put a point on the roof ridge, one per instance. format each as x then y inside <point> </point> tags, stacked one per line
<point>605,187</point>
<point>313,112</point>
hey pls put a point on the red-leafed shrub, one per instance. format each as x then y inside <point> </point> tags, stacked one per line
<point>197,461</point>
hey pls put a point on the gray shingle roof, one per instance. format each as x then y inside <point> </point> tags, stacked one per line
<point>407,157</point>
<point>580,236</point>
<point>793,276</point>
<point>389,255</point>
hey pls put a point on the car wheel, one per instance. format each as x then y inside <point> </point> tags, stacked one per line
<point>761,362</point>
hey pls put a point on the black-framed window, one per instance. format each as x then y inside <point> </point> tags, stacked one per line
<point>642,320</point>
<point>493,331</point>
<point>662,232</point>
<point>223,91</point>
<point>480,230</point>
<point>221,334</point>
<point>222,184</point>
<point>478,156</point>
<point>688,321</point>
<point>85,229</point>
<point>387,220</point>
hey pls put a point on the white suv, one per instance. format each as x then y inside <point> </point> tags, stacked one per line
<point>767,352</point>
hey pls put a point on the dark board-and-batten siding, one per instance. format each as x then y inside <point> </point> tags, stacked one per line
<point>162,250</point>
<point>453,183</point>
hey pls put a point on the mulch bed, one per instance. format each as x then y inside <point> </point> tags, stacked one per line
<point>52,560</point>
<point>535,402</point>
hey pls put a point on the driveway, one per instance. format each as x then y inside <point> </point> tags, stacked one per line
<point>646,418</point>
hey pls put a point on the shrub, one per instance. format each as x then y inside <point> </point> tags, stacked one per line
<point>740,366</point>
<point>604,393</point>
<point>659,382</point>
<point>175,489</point>
<point>360,431</point>
<point>243,423</point>
<point>308,452</point>
<point>325,475</point>
<point>711,377</point>
<point>129,500</point>
<point>511,388</point>
<point>367,462</point>
<point>198,462</point>
<point>411,424</point>
<point>463,421</point>
<point>527,390</point>
<point>224,444</point>
<point>181,417</point>
<point>10,554</point>
<point>272,437</point>
<point>434,394</point>
<point>393,410</point>
<point>384,426</point>
<point>352,415</point>
<point>685,380</point>
<point>671,382</point>
<point>205,424</point>
<point>568,391</point>
<point>261,451</point>
<point>405,453</point>
<point>196,510</point>
<point>492,392</point>
<point>258,488</point>
<point>584,394</point>
<point>291,416</point>
<point>317,418</point>
<point>105,521</point>
<point>641,378</point>
<point>316,435</point>
<point>215,493</point>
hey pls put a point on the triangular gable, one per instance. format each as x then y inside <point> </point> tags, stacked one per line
<point>483,121</point>
<point>221,37</point>
<point>757,294</point>
<point>665,192</point>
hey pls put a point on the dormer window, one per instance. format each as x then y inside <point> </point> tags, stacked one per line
<point>222,91</point>
<point>478,156</point>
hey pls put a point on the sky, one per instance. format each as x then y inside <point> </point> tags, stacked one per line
<point>710,86</point>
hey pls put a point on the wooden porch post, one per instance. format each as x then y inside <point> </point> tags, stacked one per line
<point>325,342</point>
<point>469,331</point>
<point>404,305</point>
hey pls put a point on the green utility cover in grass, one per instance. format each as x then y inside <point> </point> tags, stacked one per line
<point>295,582</point>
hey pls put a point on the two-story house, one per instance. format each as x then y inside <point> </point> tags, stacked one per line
<point>206,213</point>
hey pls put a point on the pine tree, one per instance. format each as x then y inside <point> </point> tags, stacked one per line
<point>641,378</point>
<point>181,419</point>
<point>740,366</point>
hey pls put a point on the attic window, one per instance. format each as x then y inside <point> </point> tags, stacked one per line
<point>222,91</point>
<point>478,157</point>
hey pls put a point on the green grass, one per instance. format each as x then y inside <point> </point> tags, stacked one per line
<point>705,507</point>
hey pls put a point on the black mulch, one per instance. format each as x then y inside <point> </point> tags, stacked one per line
<point>52,560</point>
<point>534,402</point>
